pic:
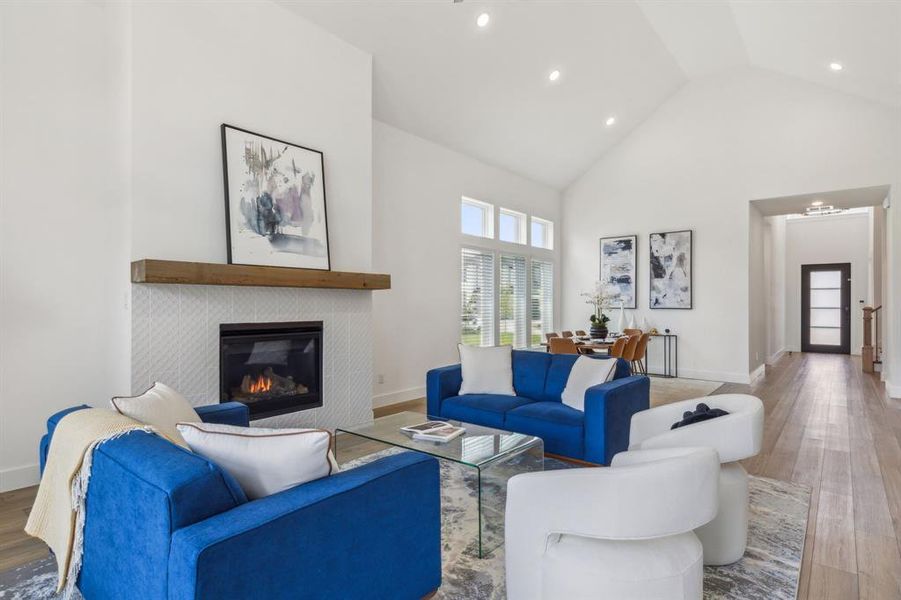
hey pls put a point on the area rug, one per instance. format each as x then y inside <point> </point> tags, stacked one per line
<point>769,570</point>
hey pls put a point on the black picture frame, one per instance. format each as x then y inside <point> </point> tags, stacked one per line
<point>634,269</point>
<point>228,200</point>
<point>691,270</point>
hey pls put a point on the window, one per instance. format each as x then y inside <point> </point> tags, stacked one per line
<point>542,309</point>
<point>542,233</point>
<point>512,226</point>
<point>512,302</point>
<point>477,297</point>
<point>476,218</point>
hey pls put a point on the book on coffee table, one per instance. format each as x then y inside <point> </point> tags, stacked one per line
<point>434,431</point>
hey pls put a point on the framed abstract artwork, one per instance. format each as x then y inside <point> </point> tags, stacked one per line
<point>618,270</point>
<point>670,269</point>
<point>275,211</point>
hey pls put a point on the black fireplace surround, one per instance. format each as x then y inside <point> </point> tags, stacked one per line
<point>273,368</point>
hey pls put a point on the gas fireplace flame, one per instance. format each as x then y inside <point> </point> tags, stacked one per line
<point>261,384</point>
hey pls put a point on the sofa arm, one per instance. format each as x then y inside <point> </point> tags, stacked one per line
<point>227,413</point>
<point>442,383</point>
<point>608,413</point>
<point>350,535</point>
<point>52,422</point>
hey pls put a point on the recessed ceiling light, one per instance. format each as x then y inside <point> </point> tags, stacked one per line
<point>554,75</point>
<point>836,66</point>
<point>817,203</point>
<point>610,121</point>
<point>483,19</point>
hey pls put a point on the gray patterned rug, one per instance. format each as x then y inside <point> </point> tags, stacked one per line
<point>769,570</point>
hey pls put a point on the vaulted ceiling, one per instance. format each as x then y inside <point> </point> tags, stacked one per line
<point>485,91</point>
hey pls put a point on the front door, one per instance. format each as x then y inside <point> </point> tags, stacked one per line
<point>826,308</point>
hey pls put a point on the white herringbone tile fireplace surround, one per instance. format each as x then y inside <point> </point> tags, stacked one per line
<point>175,339</point>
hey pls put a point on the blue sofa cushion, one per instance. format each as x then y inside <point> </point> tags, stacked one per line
<point>482,409</point>
<point>560,426</point>
<point>529,372</point>
<point>557,375</point>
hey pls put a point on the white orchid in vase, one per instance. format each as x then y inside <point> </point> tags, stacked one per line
<point>600,300</point>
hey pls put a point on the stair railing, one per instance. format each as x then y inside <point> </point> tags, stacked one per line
<point>871,353</point>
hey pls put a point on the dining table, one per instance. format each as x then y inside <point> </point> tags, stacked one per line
<point>590,344</point>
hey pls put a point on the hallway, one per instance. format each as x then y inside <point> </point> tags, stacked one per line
<point>832,427</point>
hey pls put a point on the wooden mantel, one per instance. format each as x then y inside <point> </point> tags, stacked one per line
<point>192,273</point>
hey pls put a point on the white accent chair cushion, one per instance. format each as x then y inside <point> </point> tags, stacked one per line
<point>263,461</point>
<point>618,532</point>
<point>586,372</point>
<point>735,437</point>
<point>487,370</point>
<point>161,407</point>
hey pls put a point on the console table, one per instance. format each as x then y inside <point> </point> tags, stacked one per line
<point>670,354</point>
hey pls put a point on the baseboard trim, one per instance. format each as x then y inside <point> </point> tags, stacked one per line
<point>390,398</point>
<point>776,356</point>
<point>414,405</point>
<point>725,377</point>
<point>893,389</point>
<point>19,477</point>
<point>757,373</point>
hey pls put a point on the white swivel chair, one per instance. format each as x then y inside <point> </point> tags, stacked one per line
<point>623,532</point>
<point>735,437</point>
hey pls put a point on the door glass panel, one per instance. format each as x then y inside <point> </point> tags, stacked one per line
<point>826,317</point>
<point>825,298</point>
<point>820,336</point>
<point>825,279</point>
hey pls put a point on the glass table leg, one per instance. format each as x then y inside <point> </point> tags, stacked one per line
<point>492,493</point>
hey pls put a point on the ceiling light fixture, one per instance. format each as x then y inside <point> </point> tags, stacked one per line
<point>610,121</point>
<point>836,66</point>
<point>482,20</point>
<point>554,75</point>
<point>817,203</point>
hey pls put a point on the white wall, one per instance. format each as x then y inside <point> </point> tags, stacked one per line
<point>258,66</point>
<point>417,187</point>
<point>758,319</point>
<point>820,240</point>
<point>774,269</point>
<point>63,225</point>
<point>695,164</point>
<point>110,150</point>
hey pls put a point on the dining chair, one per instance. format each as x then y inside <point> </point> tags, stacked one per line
<point>581,333</point>
<point>559,345</point>
<point>567,334</point>
<point>639,361</point>
<point>631,331</point>
<point>629,350</point>
<point>550,335</point>
<point>616,350</point>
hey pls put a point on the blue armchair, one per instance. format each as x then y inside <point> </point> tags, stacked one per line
<point>164,523</point>
<point>539,378</point>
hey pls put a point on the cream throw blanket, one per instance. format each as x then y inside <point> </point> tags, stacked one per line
<point>57,516</point>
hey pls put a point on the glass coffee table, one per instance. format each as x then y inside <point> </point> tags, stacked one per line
<point>489,457</point>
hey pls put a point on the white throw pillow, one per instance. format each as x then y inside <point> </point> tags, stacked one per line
<point>586,372</point>
<point>263,461</point>
<point>160,407</point>
<point>487,370</point>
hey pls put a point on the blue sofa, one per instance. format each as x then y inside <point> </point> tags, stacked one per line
<point>164,523</point>
<point>594,435</point>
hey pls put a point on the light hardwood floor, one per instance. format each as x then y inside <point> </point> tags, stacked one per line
<point>828,426</point>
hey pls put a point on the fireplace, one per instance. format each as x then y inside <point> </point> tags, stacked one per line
<point>273,368</point>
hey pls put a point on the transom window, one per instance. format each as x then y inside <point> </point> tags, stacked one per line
<point>512,226</point>
<point>542,233</point>
<point>477,218</point>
